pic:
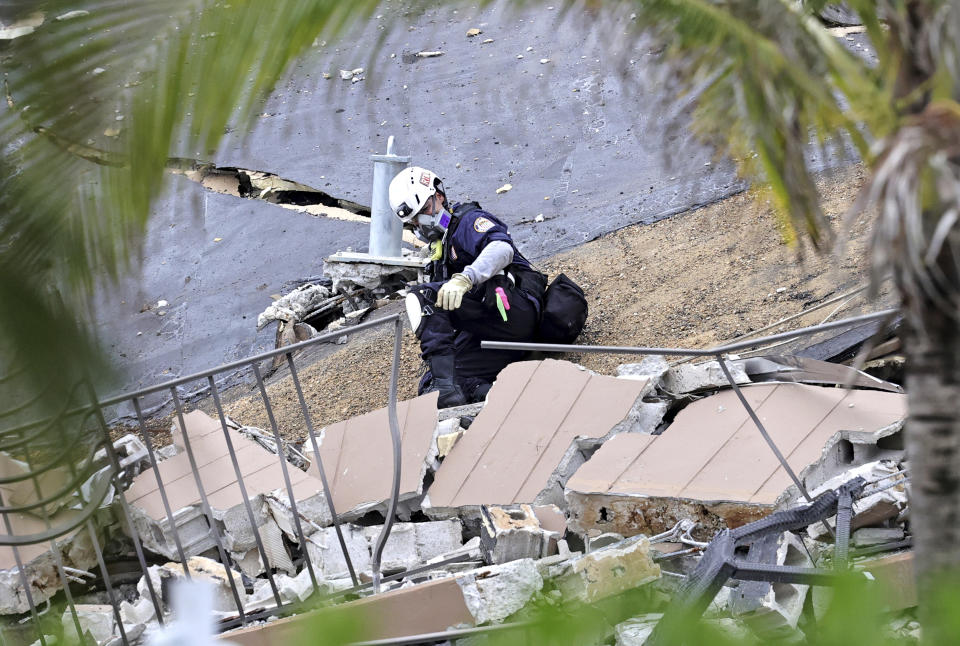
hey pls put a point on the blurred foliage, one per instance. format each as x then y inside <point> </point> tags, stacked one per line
<point>142,82</point>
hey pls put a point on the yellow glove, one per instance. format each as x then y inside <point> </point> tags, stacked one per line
<point>451,292</point>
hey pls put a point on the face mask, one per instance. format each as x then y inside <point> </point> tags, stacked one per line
<point>432,227</point>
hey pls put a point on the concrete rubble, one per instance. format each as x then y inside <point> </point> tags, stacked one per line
<point>564,487</point>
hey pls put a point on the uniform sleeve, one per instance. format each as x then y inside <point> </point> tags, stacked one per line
<point>496,256</point>
<point>477,230</point>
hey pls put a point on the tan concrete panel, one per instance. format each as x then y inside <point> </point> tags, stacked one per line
<point>531,427</point>
<point>357,453</point>
<point>602,404</point>
<point>608,464</point>
<point>697,433</point>
<point>461,461</point>
<point>741,466</point>
<point>871,410</point>
<point>428,607</point>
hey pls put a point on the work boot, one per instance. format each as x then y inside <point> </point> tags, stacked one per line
<point>443,369</point>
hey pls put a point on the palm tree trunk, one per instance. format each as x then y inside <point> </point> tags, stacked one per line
<point>933,449</point>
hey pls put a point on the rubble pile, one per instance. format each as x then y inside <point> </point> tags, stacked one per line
<point>565,487</point>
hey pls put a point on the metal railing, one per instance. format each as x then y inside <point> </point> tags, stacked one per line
<point>25,437</point>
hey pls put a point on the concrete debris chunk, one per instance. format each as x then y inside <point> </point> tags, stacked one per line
<point>261,472</point>
<point>350,275</point>
<point>876,505</point>
<point>650,369</point>
<point>413,544</point>
<point>323,548</point>
<point>201,568</point>
<point>295,306</point>
<point>772,610</point>
<point>541,421</point>
<point>508,534</point>
<point>494,593</point>
<point>358,457</point>
<point>97,621</point>
<point>694,377</point>
<point>606,572</point>
<point>711,465</point>
<point>867,536</point>
<point>473,32</point>
<point>635,631</point>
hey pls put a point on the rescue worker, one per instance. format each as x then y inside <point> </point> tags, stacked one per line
<point>481,288</point>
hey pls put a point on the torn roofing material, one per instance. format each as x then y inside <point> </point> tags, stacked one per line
<point>260,469</point>
<point>712,463</point>
<point>527,439</point>
<point>358,456</point>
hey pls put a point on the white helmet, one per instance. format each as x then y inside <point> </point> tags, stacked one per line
<point>410,190</point>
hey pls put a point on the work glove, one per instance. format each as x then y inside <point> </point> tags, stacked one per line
<point>451,292</point>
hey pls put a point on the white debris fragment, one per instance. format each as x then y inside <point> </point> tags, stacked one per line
<point>539,218</point>
<point>346,75</point>
<point>97,71</point>
<point>295,305</point>
<point>504,188</point>
<point>494,593</point>
<point>544,61</point>
<point>487,41</point>
<point>473,32</point>
<point>429,54</point>
<point>79,13</point>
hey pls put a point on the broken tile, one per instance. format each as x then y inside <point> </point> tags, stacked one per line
<point>606,572</point>
<point>540,420</point>
<point>712,465</point>
<point>358,457</point>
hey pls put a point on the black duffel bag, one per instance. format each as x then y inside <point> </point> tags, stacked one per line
<point>564,311</point>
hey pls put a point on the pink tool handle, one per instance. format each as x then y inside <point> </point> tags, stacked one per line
<point>503,297</point>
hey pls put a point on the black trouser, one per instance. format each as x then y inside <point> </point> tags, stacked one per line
<point>477,319</point>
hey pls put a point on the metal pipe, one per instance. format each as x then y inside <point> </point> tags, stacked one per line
<point>397,457</point>
<point>243,493</point>
<point>286,477</point>
<point>386,230</point>
<point>724,349</point>
<point>205,505</point>
<point>328,494</point>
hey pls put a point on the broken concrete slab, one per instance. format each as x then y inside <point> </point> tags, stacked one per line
<point>712,465</point>
<point>413,544</point>
<point>509,534</point>
<point>375,274</point>
<point>262,474</point>
<point>614,569</point>
<point>323,548</point>
<point>358,457</point>
<point>541,421</point>
<point>494,593</point>
<point>40,567</point>
<point>688,378</point>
